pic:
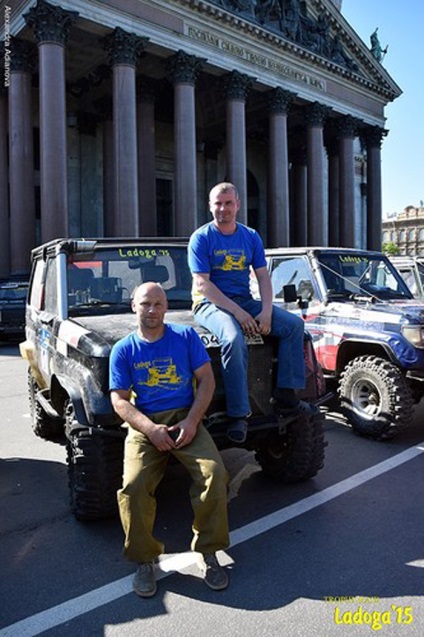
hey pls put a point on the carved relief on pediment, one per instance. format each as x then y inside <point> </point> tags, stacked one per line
<point>293,20</point>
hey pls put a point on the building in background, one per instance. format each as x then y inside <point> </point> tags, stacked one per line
<point>406,230</point>
<point>117,117</point>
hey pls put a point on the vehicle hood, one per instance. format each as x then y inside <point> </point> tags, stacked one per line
<point>95,335</point>
<point>397,311</point>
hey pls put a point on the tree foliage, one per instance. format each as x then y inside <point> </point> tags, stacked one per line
<point>390,248</point>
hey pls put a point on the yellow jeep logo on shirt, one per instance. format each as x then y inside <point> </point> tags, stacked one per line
<point>234,260</point>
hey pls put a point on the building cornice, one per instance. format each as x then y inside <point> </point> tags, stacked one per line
<point>378,82</point>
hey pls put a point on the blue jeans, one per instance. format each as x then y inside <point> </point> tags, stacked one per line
<point>287,327</point>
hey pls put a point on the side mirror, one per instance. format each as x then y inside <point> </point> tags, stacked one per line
<point>289,294</point>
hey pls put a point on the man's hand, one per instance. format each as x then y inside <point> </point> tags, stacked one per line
<point>160,438</point>
<point>246,320</point>
<point>166,438</point>
<point>264,322</point>
<point>186,432</point>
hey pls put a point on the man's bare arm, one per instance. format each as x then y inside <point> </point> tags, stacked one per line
<point>265,290</point>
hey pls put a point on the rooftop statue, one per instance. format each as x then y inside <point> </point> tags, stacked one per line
<point>376,49</point>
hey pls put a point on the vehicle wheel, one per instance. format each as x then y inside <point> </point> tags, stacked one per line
<point>375,397</point>
<point>298,454</point>
<point>43,425</point>
<point>94,473</point>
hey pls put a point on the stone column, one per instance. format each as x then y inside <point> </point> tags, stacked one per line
<point>4,198</point>
<point>236,88</point>
<point>51,25</point>
<point>317,214</point>
<point>124,50</point>
<point>278,169</point>
<point>332,146</point>
<point>183,70</point>
<point>373,139</point>
<point>21,156</point>
<point>104,108</point>
<point>146,157</point>
<point>299,217</point>
<point>347,127</point>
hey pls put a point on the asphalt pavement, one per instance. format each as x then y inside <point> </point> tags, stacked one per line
<point>339,555</point>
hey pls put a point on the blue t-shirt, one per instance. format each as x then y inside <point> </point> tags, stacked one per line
<point>161,373</point>
<point>226,258</point>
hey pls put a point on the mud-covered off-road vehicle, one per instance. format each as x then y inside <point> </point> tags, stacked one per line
<point>79,305</point>
<point>367,330</point>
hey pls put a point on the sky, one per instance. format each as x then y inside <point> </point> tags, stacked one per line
<point>400,25</point>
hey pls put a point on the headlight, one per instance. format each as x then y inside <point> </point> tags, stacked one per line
<point>414,334</point>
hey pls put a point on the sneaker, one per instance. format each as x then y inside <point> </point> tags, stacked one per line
<point>215,576</point>
<point>144,582</point>
<point>301,407</point>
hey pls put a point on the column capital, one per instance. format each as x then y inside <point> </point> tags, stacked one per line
<point>184,68</point>
<point>23,55</point>
<point>316,114</point>
<point>373,136</point>
<point>280,100</point>
<point>237,85</point>
<point>123,47</point>
<point>348,126</point>
<point>50,23</point>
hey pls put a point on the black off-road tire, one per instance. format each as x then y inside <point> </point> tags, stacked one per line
<point>375,397</point>
<point>95,464</point>
<point>298,454</point>
<point>43,425</point>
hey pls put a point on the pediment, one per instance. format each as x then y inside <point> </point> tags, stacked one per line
<point>315,30</point>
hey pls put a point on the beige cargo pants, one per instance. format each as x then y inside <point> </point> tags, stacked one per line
<point>144,467</point>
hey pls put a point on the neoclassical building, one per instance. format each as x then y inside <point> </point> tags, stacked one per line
<point>118,116</point>
<point>406,230</point>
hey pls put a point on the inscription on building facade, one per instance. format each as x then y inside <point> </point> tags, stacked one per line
<point>263,61</point>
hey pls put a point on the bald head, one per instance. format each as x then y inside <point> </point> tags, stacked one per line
<point>149,288</point>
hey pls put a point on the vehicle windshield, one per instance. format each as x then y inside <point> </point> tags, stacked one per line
<point>362,275</point>
<point>106,278</point>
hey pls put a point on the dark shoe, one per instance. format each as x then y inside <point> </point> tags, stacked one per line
<point>144,582</point>
<point>301,407</point>
<point>215,576</point>
<point>237,430</point>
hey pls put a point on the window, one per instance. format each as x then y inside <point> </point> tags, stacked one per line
<point>37,288</point>
<point>292,271</point>
<point>50,288</point>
